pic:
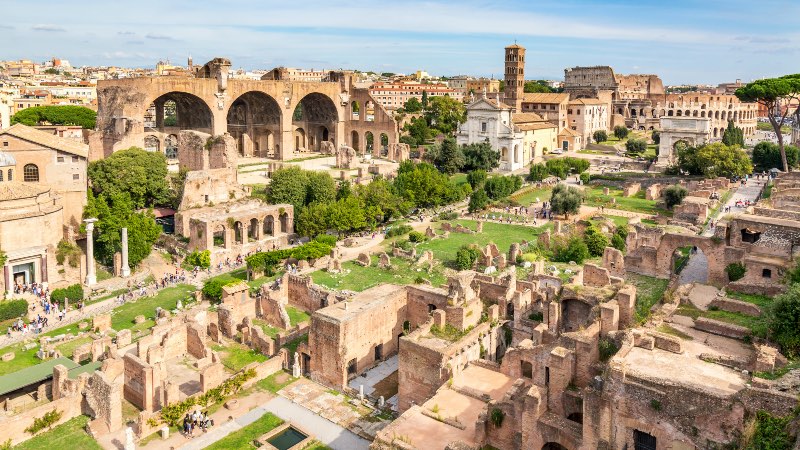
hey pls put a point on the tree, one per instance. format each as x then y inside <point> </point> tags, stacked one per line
<point>772,93</point>
<point>476,178</point>
<point>501,187</point>
<point>449,159</point>
<point>537,172</point>
<point>767,155</point>
<point>114,213</point>
<point>412,105</point>
<point>424,186</point>
<point>480,156</point>
<point>410,140</point>
<point>288,185</point>
<point>600,136</point>
<point>573,248</point>
<point>687,159</point>
<point>380,197</point>
<point>312,220</point>
<point>674,195</point>
<point>445,114</point>
<point>635,146</point>
<point>478,201</point>
<point>320,188</point>
<point>733,135</point>
<point>344,190</point>
<point>656,136</point>
<point>783,320</point>
<point>621,132</point>
<point>424,102</point>
<point>418,129</point>
<point>140,174</point>
<point>531,87</point>
<point>346,215</point>
<point>618,242</point>
<point>466,257</point>
<point>56,115</point>
<point>720,160</point>
<point>595,240</point>
<point>565,200</point>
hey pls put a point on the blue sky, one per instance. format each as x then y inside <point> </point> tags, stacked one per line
<point>683,41</point>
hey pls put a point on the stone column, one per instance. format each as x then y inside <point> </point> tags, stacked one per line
<point>126,270</point>
<point>91,276</point>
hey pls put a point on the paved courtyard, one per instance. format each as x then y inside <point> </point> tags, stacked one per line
<point>376,380</point>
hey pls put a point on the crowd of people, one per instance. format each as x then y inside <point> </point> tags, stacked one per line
<point>196,420</point>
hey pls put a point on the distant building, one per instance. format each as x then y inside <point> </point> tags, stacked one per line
<point>292,74</point>
<point>587,115</point>
<point>514,76</point>
<point>393,95</point>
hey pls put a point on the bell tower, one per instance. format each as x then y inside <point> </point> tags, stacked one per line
<point>515,76</point>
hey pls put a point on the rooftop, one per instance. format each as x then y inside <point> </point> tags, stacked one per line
<point>46,139</point>
<point>363,301</point>
<point>14,190</point>
<point>542,97</point>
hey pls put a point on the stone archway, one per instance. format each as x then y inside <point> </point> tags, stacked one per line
<point>354,141</point>
<point>553,446</point>
<point>318,115</point>
<point>181,111</point>
<point>254,120</point>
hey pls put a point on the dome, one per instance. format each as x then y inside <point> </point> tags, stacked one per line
<point>7,160</point>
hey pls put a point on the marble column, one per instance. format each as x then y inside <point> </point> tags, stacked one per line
<point>91,276</point>
<point>125,270</point>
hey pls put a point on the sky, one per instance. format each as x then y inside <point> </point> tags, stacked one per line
<point>683,41</point>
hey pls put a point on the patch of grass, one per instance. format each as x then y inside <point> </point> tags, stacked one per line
<point>527,196</point>
<point>68,435</point>
<point>292,346</point>
<point>358,278</point>
<point>761,301</point>
<point>667,329</point>
<point>458,178</point>
<point>103,274</point>
<point>122,317</point>
<point>649,291</point>
<point>269,330</point>
<point>244,437</point>
<point>766,126</point>
<point>236,356</point>
<point>276,381</point>
<point>594,196</point>
<point>296,315</point>
<point>68,348</point>
<point>757,325</point>
<point>27,358</point>
<point>317,445</point>
<point>777,373</point>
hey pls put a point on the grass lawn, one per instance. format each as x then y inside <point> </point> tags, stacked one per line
<point>269,330</point>
<point>458,178</point>
<point>103,274</point>
<point>503,235</point>
<point>619,221</point>
<point>649,291</point>
<point>244,437</point>
<point>296,315</point>
<point>757,325</point>
<point>68,435</point>
<point>122,317</point>
<point>529,195</point>
<point>235,356</point>
<point>766,126</point>
<point>276,381</point>
<point>27,358</point>
<point>762,301</point>
<point>667,329</point>
<point>637,203</point>
<point>68,348</point>
<point>240,274</point>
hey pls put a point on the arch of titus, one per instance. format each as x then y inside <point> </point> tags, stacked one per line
<point>267,118</point>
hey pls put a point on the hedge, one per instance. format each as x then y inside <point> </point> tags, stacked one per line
<point>11,309</point>
<point>74,293</point>
<point>267,261</point>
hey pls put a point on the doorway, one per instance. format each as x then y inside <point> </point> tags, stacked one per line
<point>24,273</point>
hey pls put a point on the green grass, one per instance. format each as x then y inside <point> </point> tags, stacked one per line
<point>649,291</point>
<point>103,274</point>
<point>618,221</point>
<point>272,383</point>
<point>766,126</point>
<point>405,272</point>
<point>244,437</point>
<point>236,356</point>
<point>767,191</point>
<point>667,329</point>
<point>529,195</point>
<point>316,445</point>
<point>68,435</point>
<point>458,178</point>
<point>777,373</point>
<point>296,315</point>
<point>122,317</point>
<point>68,348</point>
<point>292,346</point>
<point>240,274</point>
<point>757,325</point>
<point>269,330</point>
<point>762,301</point>
<point>638,203</point>
<point>27,358</point>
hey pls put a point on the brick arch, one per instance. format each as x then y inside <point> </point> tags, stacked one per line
<point>714,252</point>
<point>193,112</point>
<point>255,120</point>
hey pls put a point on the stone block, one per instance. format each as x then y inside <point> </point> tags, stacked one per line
<point>101,323</point>
<point>439,318</point>
<point>364,259</point>
<point>8,356</point>
<point>609,317</point>
<point>594,276</point>
<point>614,261</point>
<point>666,342</point>
<point>139,319</point>
<point>124,338</point>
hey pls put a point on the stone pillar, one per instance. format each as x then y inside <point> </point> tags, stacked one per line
<point>126,270</point>
<point>7,279</point>
<point>91,276</point>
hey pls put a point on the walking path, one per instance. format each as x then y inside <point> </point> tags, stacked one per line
<point>750,191</point>
<point>224,429</point>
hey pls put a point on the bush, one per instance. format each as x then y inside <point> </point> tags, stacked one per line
<point>636,146</point>
<point>621,132</point>
<point>398,230</point>
<point>199,259</point>
<point>452,215</point>
<point>572,249</point>
<point>501,187</point>
<point>600,136</point>
<point>68,252</point>
<point>466,257</point>
<point>326,239</point>
<point>735,271</point>
<point>478,201</point>
<point>618,242</point>
<point>46,421</point>
<point>595,240</point>
<point>585,177</point>
<point>212,289</point>
<point>783,319</point>
<point>476,178</point>
<point>11,309</point>
<point>538,172</point>
<point>607,349</point>
<point>674,195</point>
<point>562,167</point>
<point>416,236</point>
<point>72,293</point>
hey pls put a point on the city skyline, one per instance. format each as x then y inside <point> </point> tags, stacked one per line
<point>713,41</point>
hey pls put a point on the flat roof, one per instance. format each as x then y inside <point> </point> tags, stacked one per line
<point>32,375</point>
<point>86,368</point>
<point>373,297</point>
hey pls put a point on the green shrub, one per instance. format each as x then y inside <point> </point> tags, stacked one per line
<point>607,349</point>
<point>11,309</point>
<point>478,201</point>
<point>674,195</point>
<point>72,293</point>
<point>46,421</point>
<point>621,132</point>
<point>771,433</point>
<point>68,252</point>
<point>212,289</point>
<point>537,316</point>
<point>735,271</point>
<point>497,417</point>
<point>199,259</point>
<point>538,172</point>
<point>326,239</point>
<point>398,230</point>
<point>585,177</point>
<point>618,242</point>
<point>466,257</point>
<point>572,249</point>
<point>636,146</point>
<point>416,236</point>
<point>783,319</point>
<point>452,215</point>
<point>595,240</point>
<point>600,136</point>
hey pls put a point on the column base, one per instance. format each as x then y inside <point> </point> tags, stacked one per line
<point>91,280</point>
<point>125,272</point>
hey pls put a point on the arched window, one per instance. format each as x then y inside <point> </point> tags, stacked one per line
<point>30,173</point>
<point>10,174</point>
